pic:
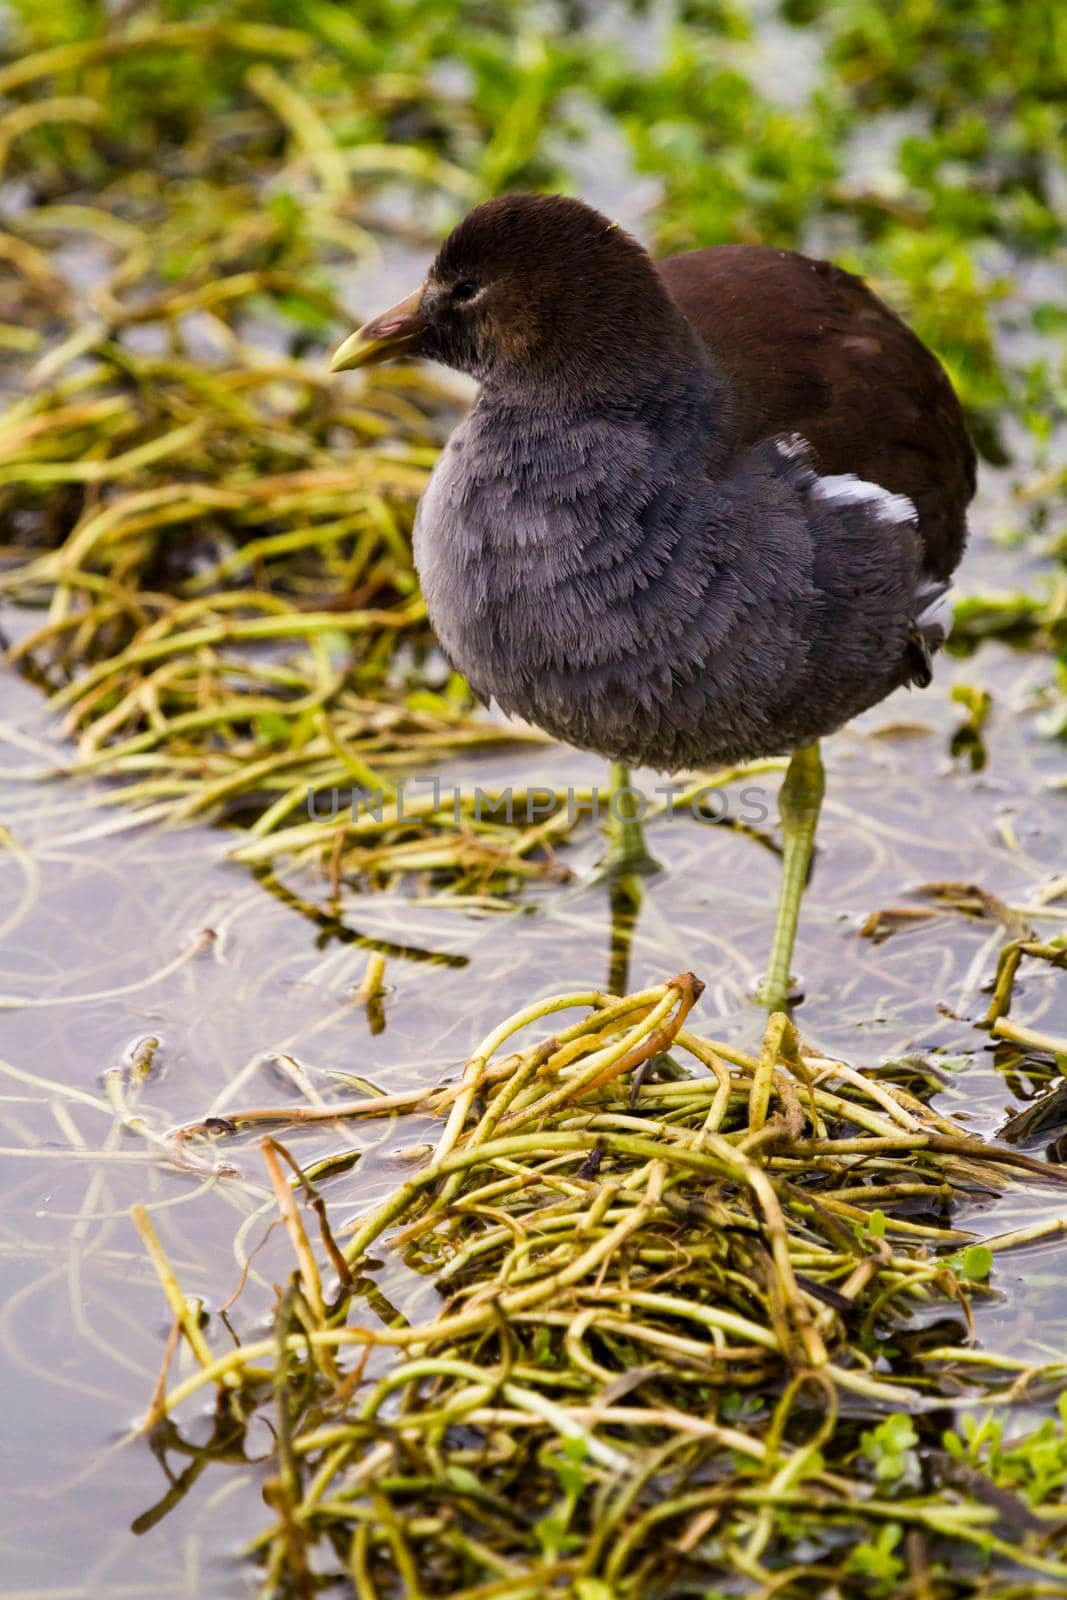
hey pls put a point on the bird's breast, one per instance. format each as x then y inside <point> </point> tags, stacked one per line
<point>575,575</point>
<point>532,547</point>
<point>596,580</point>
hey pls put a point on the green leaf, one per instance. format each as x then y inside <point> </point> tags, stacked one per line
<point>270,727</point>
<point>977,1262</point>
<point>876,1561</point>
<point>890,1447</point>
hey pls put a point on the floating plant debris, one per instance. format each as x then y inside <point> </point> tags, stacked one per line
<point>618,1341</point>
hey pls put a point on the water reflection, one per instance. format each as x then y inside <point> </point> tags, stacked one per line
<point>119,934</point>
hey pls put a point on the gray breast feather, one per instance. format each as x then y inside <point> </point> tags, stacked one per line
<point>598,580</point>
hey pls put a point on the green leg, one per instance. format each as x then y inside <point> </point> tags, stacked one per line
<point>625,864</point>
<point>624,898</point>
<point>798,806</point>
<point>627,854</point>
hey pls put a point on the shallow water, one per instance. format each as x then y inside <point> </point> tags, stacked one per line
<point>108,949</point>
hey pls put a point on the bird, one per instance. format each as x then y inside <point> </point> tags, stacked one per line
<point>702,510</point>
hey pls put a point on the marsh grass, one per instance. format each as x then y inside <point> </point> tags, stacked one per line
<point>216,534</point>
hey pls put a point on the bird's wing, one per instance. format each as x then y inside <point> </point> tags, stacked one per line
<point>812,351</point>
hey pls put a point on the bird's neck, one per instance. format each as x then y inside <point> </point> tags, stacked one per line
<point>675,396</point>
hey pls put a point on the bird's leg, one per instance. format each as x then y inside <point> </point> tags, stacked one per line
<point>623,866</point>
<point>798,806</point>
<point>625,901</point>
<point>627,854</point>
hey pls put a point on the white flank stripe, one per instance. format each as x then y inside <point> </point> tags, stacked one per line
<point>848,490</point>
<point>936,609</point>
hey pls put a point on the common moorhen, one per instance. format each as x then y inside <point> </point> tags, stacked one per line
<point>703,509</point>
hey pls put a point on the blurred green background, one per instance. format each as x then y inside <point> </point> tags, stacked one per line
<point>921,142</point>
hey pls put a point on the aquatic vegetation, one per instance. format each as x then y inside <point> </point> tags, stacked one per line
<point>627,1325</point>
<point>216,532</point>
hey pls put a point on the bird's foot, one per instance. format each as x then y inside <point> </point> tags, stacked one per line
<point>625,860</point>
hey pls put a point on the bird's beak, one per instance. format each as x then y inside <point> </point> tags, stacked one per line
<point>396,332</point>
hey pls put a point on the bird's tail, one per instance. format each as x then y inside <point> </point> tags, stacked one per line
<point>929,629</point>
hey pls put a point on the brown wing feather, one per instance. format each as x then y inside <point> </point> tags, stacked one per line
<point>813,351</point>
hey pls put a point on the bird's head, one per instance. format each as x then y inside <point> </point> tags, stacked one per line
<point>529,289</point>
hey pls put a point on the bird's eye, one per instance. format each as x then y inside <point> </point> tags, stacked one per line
<point>465,289</point>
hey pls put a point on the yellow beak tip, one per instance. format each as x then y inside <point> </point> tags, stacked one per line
<point>395,333</point>
<point>352,353</point>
